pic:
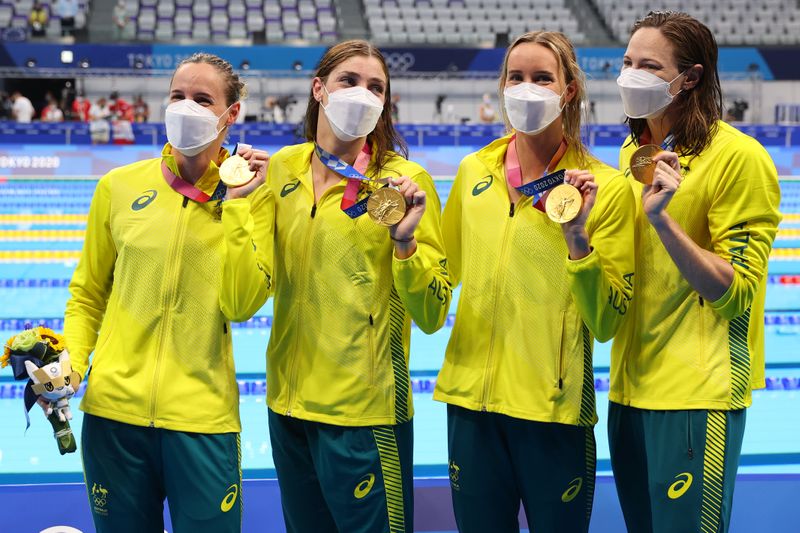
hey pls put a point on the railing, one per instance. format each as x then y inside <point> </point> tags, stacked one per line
<point>77,133</point>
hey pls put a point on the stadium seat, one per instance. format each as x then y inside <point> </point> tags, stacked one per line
<point>201,9</point>
<point>164,31</point>
<point>146,21</point>
<point>255,22</point>
<point>219,21</point>
<point>272,11</point>
<point>237,30</point>
<point>166,9</point>
<point>6,14</point>
<point>183,20</point>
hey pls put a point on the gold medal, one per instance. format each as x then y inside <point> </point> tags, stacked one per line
<point>563,203</point>
<point>386,206</point>
<point>235,171</point>
<point>642,164</point>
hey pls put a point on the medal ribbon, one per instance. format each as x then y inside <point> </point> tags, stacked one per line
<point>668,144</point>
<point>354,174</point>
<point>536,189</point>
<point>184,188</point>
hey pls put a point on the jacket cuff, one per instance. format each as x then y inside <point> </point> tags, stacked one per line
<point>590,262</point>
<point>406,270</point>
<point>235,212</point>
<point>725,305</point>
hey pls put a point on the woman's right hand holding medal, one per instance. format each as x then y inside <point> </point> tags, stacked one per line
<point>257,163</point>
<point>666,180</point>
<point>402,233</point>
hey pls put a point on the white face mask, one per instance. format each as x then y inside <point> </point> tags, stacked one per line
<point>531,108</point>
<point>352,112</point>
<point>644,95</point>
<point>191,128</point>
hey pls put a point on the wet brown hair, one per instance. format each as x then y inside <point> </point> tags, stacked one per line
<point>698,109</point>
<point>235,89</point>
<point>384,138</point>
<point>562,48</point>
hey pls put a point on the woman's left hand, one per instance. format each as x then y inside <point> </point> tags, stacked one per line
<point>258,160</point>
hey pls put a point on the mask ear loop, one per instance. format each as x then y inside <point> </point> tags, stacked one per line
<point>327,93</point>
<point>680,89</point>
<point>225,124</point>
<point>563,95</point>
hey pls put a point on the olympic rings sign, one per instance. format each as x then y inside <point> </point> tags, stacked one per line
<point>400,61</point>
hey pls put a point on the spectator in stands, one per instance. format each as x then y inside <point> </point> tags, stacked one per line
<point>120,20</point>
<point>67,95</point>
<point>22,109</point>
<point>684,364</point>
<point>338,391</point>
<point>486,112</point>
<point>51,111</point>
<point>165,268</point>
<point>68,11</point>
<point>38,19</point>
<point>120,108</point>
<point>99,122</point>
<point>395,108</point>
<point>272,111</point>
<point>81,107</point>
<point>141,111</point>
<point>517,375</point>
<point>5,106</point>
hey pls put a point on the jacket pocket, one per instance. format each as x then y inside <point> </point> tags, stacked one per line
<point>701,323</point>
<point>559,362</point>
<point>109,320</point>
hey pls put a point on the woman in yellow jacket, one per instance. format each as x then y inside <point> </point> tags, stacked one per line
<point>167,263</point>
<point>536,292</point>
<point>346,290</point>
<point>684,364</point>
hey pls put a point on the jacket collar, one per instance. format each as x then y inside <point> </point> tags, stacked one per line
<point>209,180</point>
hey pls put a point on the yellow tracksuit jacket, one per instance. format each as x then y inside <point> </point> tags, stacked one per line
<point>527,315</point>
<point>339,347</point>
<point>159,279</point>
<point>677,351</point>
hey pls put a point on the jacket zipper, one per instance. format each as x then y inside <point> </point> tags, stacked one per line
<point>303,259</point>
<point>168,300</point>
<point>488,370</point>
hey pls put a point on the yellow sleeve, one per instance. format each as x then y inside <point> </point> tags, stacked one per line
<point>743,220</point>
<point>249,227</point>
<point>422,280</point>
<point>91,283</point>
<point>602,282</point>
<point>451,229</point>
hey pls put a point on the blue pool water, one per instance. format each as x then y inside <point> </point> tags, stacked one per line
<point>37,291</point>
